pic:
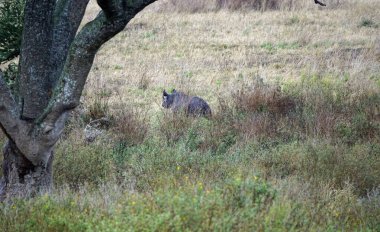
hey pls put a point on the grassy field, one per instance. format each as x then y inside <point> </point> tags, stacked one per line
<point>293,144</point>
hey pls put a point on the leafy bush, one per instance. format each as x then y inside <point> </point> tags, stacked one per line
<point>10,76</point>
<point>11,24</point>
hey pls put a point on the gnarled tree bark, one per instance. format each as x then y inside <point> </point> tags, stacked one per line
<point>54,64</point>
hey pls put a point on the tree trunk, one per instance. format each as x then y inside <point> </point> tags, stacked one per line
<point>54,64</point>
<point>20,177</point>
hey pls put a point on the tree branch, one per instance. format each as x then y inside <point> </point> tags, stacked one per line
<point>320,3</point>
<point>68,15</point>
<point>109,8</point>
<point>114,17</point>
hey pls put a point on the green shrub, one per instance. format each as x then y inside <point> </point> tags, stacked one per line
<point>189,207</point>
<point>76,163</point>
<point>11,25</point>
<point>216,136</point>
<point>365,22</point>
<point>242,203</point>
<point>10,76</point>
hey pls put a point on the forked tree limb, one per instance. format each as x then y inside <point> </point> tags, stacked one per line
<point>15,128</point>
<point>113,18</point>
<point>68,15</point>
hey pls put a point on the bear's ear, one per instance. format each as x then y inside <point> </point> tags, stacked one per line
<point>165,93</point>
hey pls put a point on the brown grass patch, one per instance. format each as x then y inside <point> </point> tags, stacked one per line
<point>130,125</point>
<point>261,98</point>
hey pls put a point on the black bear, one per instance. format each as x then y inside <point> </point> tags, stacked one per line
<point>191,105</point>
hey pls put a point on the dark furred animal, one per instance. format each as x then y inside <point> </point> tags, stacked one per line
<point>192,106</point>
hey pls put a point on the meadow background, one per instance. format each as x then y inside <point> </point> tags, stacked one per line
<point>293,145</point>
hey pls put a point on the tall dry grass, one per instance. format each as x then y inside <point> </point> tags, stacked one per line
<point>193,6</point>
